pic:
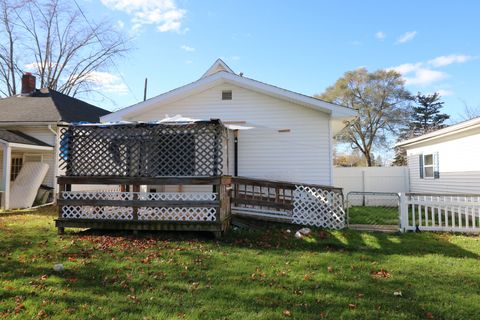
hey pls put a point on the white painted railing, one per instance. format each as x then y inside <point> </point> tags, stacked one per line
<point>176,213</point>
<point>437,212</point>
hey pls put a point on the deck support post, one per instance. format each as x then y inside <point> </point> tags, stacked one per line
<point>7,162</point>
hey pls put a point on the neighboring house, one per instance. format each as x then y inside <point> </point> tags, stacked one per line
<point>29,130</point>
<point>292,135</point>
<point>446,160</point>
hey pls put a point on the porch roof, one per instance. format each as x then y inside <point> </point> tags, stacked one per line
<point>20,138</point>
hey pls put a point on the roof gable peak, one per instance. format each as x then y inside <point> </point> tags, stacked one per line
<point>217,66</point>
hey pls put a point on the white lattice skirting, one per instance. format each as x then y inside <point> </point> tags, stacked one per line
<point>317,207</point>
<point>144,213</point>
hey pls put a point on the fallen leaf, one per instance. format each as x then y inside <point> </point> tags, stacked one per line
<point>352,306</point>
<point>429,315</point>
<point>287,313</point>
<point>72,280</point>
<point>380,274</point>
<point>330,269</point>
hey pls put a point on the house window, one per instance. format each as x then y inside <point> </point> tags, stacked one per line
<point>227,95</point>
<point>429,168</point>
<point>428,165</point>
<point>16,166</point>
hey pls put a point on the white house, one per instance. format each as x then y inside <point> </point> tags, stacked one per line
<point>446,160</point>
<point>29,131</point>
<point>292,133</point>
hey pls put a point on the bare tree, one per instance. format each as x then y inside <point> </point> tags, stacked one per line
<point>469,112</point>
<point>54,39</point>
<point>382,104</point>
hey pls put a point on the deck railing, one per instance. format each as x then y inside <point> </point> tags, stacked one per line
<point>282,201</point>
<point>136,210</point>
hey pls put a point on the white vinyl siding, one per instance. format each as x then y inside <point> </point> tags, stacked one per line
<point>302,154</point>
<point>458,165</point>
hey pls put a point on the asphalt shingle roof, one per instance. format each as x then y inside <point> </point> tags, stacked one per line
<point>52,106</point>
<point>15,136</point>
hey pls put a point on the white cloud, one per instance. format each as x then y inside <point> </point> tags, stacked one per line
<point>424,77</point>
<point>187,48</point>
<point>407,67</point>
<point>164,14</point>
<point>380,35</point>
<point>106,82</point>
<point>426,73</point>
<point>407,36</point>
<point>419,74</point>
<point>446,60</point>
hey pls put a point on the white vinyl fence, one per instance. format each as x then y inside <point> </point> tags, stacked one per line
<point>371,179</point>
<point>436,212</point>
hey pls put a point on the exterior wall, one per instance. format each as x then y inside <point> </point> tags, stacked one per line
<point>45,135</point>
<point>303,154</point>
<point>372,179</point>
<point>458,165</point>
<point>47,158</point>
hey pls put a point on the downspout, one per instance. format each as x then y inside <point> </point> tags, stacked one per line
<point>235,150</point>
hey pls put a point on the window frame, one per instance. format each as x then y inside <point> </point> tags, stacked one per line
<point>16,165</point>
<point>434,166</point>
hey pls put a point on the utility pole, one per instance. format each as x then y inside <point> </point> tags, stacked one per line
<point>145,90</point>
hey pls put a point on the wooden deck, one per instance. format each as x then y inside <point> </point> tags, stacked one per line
<point>137,211</point>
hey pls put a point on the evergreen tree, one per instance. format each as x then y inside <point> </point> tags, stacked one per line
<point>425,118</point>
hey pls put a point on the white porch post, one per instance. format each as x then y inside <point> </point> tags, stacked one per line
<point>7,161</point>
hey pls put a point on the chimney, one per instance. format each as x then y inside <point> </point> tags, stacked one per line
<point>28,83</point>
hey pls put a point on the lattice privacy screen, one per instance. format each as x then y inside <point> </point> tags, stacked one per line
<point>144,150</point>
<point>318,207</point>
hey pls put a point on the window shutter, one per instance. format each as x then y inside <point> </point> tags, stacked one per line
<point>436,166</point>
<point>420,165</point>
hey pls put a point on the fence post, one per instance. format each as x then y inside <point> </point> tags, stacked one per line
<point>403,212</point>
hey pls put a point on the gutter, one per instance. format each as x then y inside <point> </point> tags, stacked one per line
<point>419,140</point>
<point>25,123</point>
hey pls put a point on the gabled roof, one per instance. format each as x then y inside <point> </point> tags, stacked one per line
<point>14,136</point>
<point>445,132</point>
<point>217,66</point>
<point>219,73</point>
<point>49,106</point>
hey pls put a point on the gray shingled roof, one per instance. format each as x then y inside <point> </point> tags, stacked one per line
<point>15,136</point>
<point>52,106</point>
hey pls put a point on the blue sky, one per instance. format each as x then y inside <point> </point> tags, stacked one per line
<point>303,46</point>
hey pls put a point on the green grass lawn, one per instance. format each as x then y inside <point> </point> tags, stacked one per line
<point>373,215</point>
<point>263,274</point>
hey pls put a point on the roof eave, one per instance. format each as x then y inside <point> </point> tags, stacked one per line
<point>334,110</point>
<point>437,135</point>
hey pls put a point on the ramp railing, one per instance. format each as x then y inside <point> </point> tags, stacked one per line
<point>298,203</point>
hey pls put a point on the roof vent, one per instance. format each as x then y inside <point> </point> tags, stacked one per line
<point>227,95</point>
